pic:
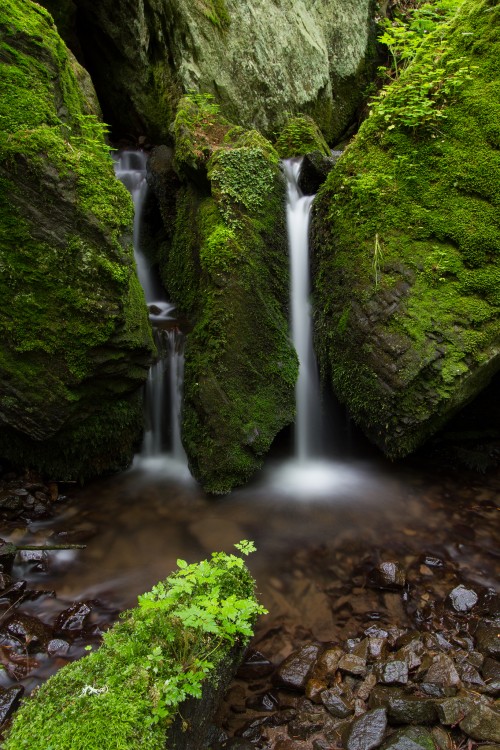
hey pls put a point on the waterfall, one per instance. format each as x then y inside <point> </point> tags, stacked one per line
<point>163,393</point>
<point>307,389</point>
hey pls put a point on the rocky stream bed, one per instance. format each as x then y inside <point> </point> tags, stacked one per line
<point>379,634</point>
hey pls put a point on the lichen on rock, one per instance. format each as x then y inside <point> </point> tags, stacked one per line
<point>76,339</point>
<point>406,242</point>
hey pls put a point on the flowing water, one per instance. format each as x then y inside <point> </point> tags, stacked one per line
<point>162,446</point>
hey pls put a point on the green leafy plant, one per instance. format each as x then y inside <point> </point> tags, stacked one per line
<point>418,89</point>
<point>127,693</point>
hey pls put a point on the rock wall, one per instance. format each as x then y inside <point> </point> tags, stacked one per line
<point>259,59</point>
<point>406,244</point>
<point>75,337</point>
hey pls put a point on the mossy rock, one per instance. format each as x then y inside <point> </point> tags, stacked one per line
<point>76,338</point>
<point>160,673</point>
<point>406,246</point>
<point>227,270</point>
<point>299,137</point>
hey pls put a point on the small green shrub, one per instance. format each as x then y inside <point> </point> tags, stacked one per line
<point>300,136</point>
<point>126,695</point>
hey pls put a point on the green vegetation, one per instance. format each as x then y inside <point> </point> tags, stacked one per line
<point>409,335</point>
<point>171,647</point>
<point>76,338</point>
<point>227,270</point>
<point>300,136</point>
<point>216,11</point>
<point>419,93</point>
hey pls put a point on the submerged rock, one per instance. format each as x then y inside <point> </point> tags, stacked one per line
<point>76,339</point>
<point>405,237</point>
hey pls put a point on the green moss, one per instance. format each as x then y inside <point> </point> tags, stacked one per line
<point>216,11</point>
<point>422,327</point>
<point>227,270</point>
<point>127,694</point>
<point>300,136</point>
<point>73,320</point>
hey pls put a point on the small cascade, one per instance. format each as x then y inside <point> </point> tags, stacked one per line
<point>163,396</point>
<point>307,390</point>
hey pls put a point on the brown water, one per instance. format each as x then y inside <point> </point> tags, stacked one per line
<point>315,541</point>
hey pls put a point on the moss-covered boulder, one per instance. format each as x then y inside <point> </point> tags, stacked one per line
<point>158,677</point>
<point>227,271</point>
<point>75,336</point>
<point>259,59</point>
<point>407,241</point>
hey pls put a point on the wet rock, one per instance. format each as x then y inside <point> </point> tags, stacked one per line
<point>463,599</point>
<point>367,732</point>
<point>393,672</point>
<point>29,631</point>
<point>403,708</point>
<point>377,649</point>
<point>469,674</point>
<point>487,638</point>
<point>15,592</point>
<point>491,674</point>
<point>5,581</point>
<point>238,743</point>
<point>75,617</point>
<point>482,723</point>
<point>442,739</point>
<point>294,671</point>
<point>443,672</point>
<point>410,738</point>
<point>336,703</point>
<point>7,555</point>
<point>9,701</point>
<point>255,666</point>
<point>315,169</point>
<point>314,688</point>
<point>57,647</point>
<point>388,575</point>
<point>327,664</point>
<point>38,560</point>
<point>367,686</point>
<point>452,710</point>
<point>353,664</point>
<point>17,666</point>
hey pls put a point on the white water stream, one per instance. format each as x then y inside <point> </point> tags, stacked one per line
<point>162,446</point>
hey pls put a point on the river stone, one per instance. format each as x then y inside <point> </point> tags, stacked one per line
<point>353,664</point>
<point>388,575</point>
<point>463,599</point>
<point>452,710</point>
<point>294,671</point>
<point>314,171</point>
<point>327,664</point>
<point>410,738</point>
<point>367,732</point>
<point>491,673</point>
<point>75,617</point>
<point>9,700</point>
<point>31,632</point>
<point>403,708</point>
<point>482,723</point>
<point>336,703</point>
<point>443,672</point>
<point>487,638</point>
<point>391,672</point>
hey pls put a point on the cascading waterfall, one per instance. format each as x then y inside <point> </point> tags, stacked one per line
<point>163,396</point>
<point>307,390</point>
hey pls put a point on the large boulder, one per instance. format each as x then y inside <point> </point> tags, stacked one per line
<point>259,59</point>
<point>226,269</point>
<point>75,336</point>
<point>406,242</point>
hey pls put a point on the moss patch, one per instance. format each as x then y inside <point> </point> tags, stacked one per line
<point>407,240</point>
<point>300,136</point>
<point>227,270</point>
<point>74,324</point>
<point>127,694</point>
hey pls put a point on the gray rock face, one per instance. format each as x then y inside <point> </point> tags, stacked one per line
<point>260,59</point>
